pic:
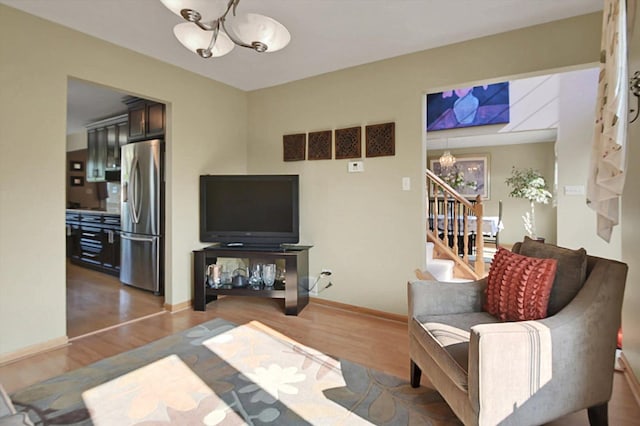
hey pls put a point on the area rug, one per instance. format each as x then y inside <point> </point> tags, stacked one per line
<point>219,373</point>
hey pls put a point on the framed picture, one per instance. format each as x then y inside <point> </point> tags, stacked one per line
<point>76,166</point>
<point>468,106</point>
<point>76,180</point>
<point>469,175</point>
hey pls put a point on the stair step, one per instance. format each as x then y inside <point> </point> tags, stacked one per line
<point>430,247</point>
<point>441,269</point>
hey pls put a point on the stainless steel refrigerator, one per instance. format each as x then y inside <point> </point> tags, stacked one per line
<point>142,194</point>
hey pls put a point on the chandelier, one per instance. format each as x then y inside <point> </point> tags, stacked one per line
<point>447,160</point>
<point>212,31</point>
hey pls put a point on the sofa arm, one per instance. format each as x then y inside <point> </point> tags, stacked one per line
<point>439,298</point>
<point>544,369</point>
<point>508,365</point>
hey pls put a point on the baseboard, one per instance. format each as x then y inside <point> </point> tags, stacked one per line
<point>33,350</point>
<point>359,309</point>
<point>111,327</point>
<point>631,378</point>
<point>178,306</point>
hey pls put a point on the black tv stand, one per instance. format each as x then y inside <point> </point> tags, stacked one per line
<point>296,285</point>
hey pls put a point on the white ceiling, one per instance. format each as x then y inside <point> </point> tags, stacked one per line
<point>326,35</point>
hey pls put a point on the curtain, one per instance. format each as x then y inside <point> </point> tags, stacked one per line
<point>608,155</point>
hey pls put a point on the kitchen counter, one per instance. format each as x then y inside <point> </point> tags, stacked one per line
<point>90,211</point>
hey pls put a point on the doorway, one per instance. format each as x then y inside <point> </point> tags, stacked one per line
<point>96,299</point>
<point>548,130</point>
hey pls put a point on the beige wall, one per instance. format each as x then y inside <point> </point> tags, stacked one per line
<point>206,134</point>
<point>362,225</point>
<point>577,100</point>
<point>629,226</point>
<point>77,141</point>
<point>539,156</point>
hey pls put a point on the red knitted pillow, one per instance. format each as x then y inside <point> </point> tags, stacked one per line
<point>518,287</point>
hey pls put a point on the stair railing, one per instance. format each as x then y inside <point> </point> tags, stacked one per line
<point>448,216</point>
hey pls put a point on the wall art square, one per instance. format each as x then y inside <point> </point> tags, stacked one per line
<point>294,147</point>
<point>469,106</point>
<point>469,175</point>
<point>320,145</point>
<point>380,140</point>
<point>76,166</point>
<point>76,180</point>
<point>348,142</point>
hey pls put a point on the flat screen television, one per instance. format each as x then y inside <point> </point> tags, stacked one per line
<point>249,210</point>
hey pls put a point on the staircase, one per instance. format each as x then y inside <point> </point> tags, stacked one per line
<point>448,252</point>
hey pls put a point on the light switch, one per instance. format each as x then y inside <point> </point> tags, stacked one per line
<point>406,184</point>
<point>574,190</point>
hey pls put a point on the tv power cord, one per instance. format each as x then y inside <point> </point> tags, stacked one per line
<point>315,283</point>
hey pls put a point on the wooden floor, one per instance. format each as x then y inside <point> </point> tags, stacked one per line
<point>372,341</point>
<point>96,300</point>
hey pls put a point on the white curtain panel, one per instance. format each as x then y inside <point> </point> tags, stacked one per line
<point>608,156</point>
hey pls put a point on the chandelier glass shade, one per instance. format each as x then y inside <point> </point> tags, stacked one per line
<point>213,28</point>
<point>447,160</point>
<point>193,38</point>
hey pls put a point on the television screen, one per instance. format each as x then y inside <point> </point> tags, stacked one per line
<point>249,210</point>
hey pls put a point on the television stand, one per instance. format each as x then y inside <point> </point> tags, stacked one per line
<point>296,288</point>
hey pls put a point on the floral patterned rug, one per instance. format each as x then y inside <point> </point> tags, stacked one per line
<point>218,373</point>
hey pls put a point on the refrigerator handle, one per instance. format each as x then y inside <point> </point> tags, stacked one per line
<point>133,186</point>
<point>141,239</point>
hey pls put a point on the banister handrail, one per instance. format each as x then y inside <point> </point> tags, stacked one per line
<point>437,179</point>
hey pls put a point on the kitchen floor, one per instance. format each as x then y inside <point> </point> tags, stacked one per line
<point>96,301</point>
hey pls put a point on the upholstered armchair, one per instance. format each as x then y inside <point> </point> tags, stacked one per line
<point>523,372</point>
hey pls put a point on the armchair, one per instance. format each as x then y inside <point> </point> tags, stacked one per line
<point>522,372</point>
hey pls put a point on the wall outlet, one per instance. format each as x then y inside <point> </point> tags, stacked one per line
<point>314,291</point>
<point>356,166</point>
<point>320,281</point>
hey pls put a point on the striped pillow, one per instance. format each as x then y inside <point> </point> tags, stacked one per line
<point>518,287</point>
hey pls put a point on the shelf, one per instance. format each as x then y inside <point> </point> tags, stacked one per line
<point>295,292</point>
<point>274,294</point>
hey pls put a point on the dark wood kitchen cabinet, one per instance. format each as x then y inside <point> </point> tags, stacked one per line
<point>146,119</point>
<point>97,157</point>
<point>117,135</point>
<point>111,242</point>
<point>73,235</point>
<point>93,240</point>
<point>104,139</point>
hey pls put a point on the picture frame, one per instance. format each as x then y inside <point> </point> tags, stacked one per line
<point>76,166</point>
<point>76,180</point>
<point>471,171</point>
<point>320,145</point>
<point>294,147</point>
<point>468,106</point>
